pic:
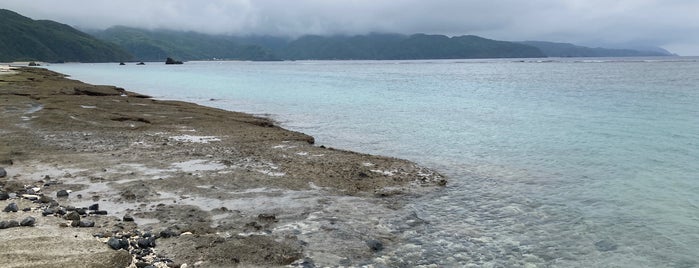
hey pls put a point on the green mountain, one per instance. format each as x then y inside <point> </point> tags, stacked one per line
<point>401,47</point>
<point>157,45</point>
<point>24,39</point>
<point>552,49</point>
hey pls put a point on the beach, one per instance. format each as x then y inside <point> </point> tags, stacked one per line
<point>178,183</point>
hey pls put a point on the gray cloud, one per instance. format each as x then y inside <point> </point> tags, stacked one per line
<point>671,24</point>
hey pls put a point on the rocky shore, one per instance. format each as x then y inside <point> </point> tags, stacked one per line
<point>97,176</point>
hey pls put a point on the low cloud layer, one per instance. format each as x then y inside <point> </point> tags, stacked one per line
<point>671,24</point>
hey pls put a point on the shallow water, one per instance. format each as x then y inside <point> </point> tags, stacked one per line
<point>552,163</point>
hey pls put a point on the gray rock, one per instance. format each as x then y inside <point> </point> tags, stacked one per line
<point>12,207</point>
<point>167,233</point>
<point>62,193</point>
<point>86,224</point>
<point>146,242</point>
<point>72,216</point>
<point>3,224</point>
<point>28,222</point>
<point>3,173</point>
<point>267,217</point>
<point>12,224</point>
<point>94,207</point>
<point>128,218</point>
<point>374,245</point>
<point>4,195</point>
<point>116,243</point>
<point>45,199</point>
<point>48,211</point>
<point>98,212</point>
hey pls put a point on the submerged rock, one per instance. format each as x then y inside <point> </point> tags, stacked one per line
<point>128,218</point>
<point>374,245</point>
<point>3,173</point>
<point>605,245</point>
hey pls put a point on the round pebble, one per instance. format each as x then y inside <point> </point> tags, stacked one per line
<point>28,222</point>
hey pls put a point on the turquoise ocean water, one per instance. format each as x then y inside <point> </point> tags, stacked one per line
<point>555,163</point>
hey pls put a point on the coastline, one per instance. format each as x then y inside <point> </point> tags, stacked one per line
<point>216,188</point>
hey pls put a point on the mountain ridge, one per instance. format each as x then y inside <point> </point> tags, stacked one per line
<point>25,39</point>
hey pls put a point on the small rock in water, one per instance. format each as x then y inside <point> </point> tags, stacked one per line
<point>3,173</point>
<point>94,207</point>
<point>12,207</point>
<point>72,216</point>
<point>374,245</point>
<point>28,222</point>
<point>128,218</point>
<point>4,195</point>
<point>62,193</point>
<point>604,245</point>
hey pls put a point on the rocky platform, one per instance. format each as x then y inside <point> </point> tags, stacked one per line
<point>115,178</point>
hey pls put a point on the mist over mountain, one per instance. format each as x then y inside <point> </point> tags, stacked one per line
<point>25,39</point>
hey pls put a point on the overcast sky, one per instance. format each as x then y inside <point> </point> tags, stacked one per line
<point>671,24</point>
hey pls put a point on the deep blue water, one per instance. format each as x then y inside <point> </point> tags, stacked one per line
<point>572,162</point>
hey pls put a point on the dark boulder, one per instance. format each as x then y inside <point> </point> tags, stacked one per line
<point>28,222</point>
<point>140,63</point>
<point>146,242</point>
<point>62,193</point>
<point>3,173</point>
<point>72,216</point>
<point>86,224</point>
<point>121,63</point>
<point>4,195</point>
<point>12,207</point>
<point>94,207</point>
<point>128,218</point>
<point>172,61</point>
<point>12,224</point>
<point>116,243</point>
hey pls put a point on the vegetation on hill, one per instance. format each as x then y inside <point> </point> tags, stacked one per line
<point>552,49</point>
<point>147,45</point>
<point>24,39</point>
<point>156,45</point>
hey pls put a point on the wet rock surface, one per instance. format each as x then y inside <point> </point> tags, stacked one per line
<point>151,183</point>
